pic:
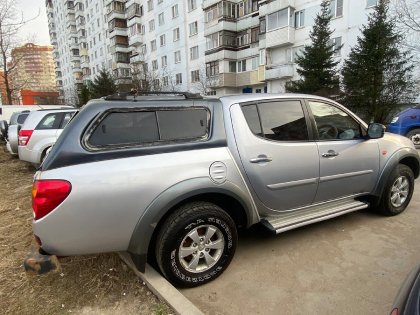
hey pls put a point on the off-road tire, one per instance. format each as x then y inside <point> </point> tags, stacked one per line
<point>385,206</point>
<point>175,230</point>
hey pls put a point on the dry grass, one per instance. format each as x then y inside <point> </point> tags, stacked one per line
<point>96,284</point>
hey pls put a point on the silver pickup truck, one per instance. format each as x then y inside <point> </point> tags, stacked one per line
<point>176,177</point>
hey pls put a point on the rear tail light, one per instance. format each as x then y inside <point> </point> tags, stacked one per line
<point>47,195</point>
<point>395,311</point>
<point>24,136</point>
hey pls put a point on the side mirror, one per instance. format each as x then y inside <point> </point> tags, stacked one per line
<point>376,131</point>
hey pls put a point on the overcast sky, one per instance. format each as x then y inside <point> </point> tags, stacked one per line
<point>39,26</point>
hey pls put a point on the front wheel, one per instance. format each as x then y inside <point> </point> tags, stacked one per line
<point>414,135</point>
<point>398,191</point>
<point>196,244</point>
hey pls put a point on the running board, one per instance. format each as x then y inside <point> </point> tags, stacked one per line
<point>297,218</point>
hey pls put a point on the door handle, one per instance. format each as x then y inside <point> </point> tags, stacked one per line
<point>261,159</point>
<point>330,153</point>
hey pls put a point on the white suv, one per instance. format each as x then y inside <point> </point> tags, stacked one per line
<point>40,131</point>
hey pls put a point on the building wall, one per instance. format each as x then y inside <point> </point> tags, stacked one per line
<point>266,58</point>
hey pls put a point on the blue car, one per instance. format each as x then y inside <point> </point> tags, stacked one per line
<point>407,123</point>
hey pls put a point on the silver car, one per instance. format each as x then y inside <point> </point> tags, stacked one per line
<point>40,131</point>
<point>176,178</point>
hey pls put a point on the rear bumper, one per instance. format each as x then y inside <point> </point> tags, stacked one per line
<point>40,264</point>
<point>28,155</point>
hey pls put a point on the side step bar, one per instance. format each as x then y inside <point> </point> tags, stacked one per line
<point>297,218</point>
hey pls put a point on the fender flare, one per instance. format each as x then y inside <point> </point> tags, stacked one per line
<point>143,232</point>
<point>391,163</point>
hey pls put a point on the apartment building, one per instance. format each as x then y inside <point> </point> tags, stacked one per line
<point>33,69</point>
<point>206,46</point>
<point>252,44</point>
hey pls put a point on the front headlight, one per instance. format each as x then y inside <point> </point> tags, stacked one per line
<point>394,120</point>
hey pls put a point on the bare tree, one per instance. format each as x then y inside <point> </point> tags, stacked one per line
<point>407,13</point>
<point>203,82</point>
<point>11,21</point>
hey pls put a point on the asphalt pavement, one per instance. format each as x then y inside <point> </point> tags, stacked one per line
<point>353,264</point>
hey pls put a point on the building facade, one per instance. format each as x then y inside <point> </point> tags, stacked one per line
<point>32,68</point>
<point>205,46</point>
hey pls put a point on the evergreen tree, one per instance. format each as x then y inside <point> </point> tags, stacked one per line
<point>376,77</point>
<point>84,96</point>
<point>316,64</point>
<point>103,84</point>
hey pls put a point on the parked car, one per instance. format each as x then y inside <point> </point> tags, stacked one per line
<point>12,139</point>
<point>407,123</point>
<point>407,300</point>
<point>6,111</point>
<point>175,178</point>
<point>40,131</point>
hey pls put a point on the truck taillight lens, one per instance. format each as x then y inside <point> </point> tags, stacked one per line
<point>47,195</point>
<point>24,136</point>
<point>395,311</point>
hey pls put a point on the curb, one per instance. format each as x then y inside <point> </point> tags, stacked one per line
<point>163,289</point>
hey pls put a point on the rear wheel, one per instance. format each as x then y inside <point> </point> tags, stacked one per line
<point>398,191</point>
<point>414,135</point>
<point>196,244</point>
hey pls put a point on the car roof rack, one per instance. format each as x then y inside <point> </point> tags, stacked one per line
<point>121,96</point>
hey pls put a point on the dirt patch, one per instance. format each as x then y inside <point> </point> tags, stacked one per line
<point>95,284</point>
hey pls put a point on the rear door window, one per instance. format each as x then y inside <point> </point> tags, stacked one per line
<point>50,121</point>
<point>21,118</point>
<point>67,117</point>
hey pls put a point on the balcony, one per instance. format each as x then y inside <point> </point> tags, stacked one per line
<point>281,71</point>
<point>118,31</point>
<point>208,3</point>
<point>221,54</point>
<point>275,6</point>
<point>73,46</point>
<point>216,26</point>
<point>135,40</point>
<point>248,22</point>
<point>54,41</point>
<point>115,14</point>
<point>71,23</point>
<point>136,59</point>
<point>280,37</point>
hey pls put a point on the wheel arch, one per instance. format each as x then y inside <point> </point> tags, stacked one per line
<point>228,196</point>
<point>406,156</point>
<point>411,128</point>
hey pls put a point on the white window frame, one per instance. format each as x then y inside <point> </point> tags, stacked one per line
<point>164,61</point>
<point>337,41</point>
<point>161,18</point>
<point>372,5</point>
<point>176,34</point>
<point>299,19</point>
<point>195,76</point>
<point>194,53</point>
<point>178,77</point>
<point>177,56</point>
<point>154,64</point>
<point>193,28</point>
<point>336,11</point>
<point>153,45</point>
<point>175,12</point>
<point>162,40</point>
<point>192,5</point>
<point>151,25</point>
<point>149,5</point>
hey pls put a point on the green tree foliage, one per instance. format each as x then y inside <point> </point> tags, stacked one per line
<point>316,65</point>
<point>84,95</point>
<point>103,84</point>
<point>377,76</point>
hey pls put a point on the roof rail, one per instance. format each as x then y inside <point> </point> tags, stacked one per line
<point>134,93</point>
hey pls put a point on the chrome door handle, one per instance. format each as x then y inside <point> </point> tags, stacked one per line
<point>330,153</point>
<point>261,159</point>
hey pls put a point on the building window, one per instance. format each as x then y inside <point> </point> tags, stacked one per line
<point>143,49</point>
<point>151,25</point>
<point>371,3</point>
<point>99,37</point>
<point>194,52</point>
<point>242,66</point>
<point>212,69</point>
<point>161,19</point>
<point>98,22</point>
<point>143,29</point>
<point>193,28</point>
<point>153,45</point>
<point>278,19</point>
<point>164,61</point>
<point>232,66</point>
<point>154,65</point>
<point>176,34</point>
<point>165,81</point>
<point>177,56</point>
<point>212,41</point>
<point>300,19</point>
<point>160,1</point>
<point>192,5</point>
<point>175,11</point>
<point>255,63</point>
<point>135,29</point>
<point>179,78</point>
<point>262,26</point>
<point>150,5</point>
<point>336,8</point>
<point>162,40</point>
<point>337,46</point>
<point>195,76</point>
